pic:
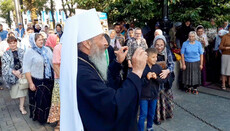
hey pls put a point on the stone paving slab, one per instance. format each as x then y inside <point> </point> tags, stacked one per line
<point>211,108</point>
<point>11,118</point>
<point>211,105</point>
<point>221,93</point>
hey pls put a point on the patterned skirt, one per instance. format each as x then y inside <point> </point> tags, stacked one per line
<point>54,114</point>
<point>40,100</point>
<point>165,106</point>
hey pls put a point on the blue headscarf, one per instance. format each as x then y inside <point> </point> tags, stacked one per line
<point>43,52</point>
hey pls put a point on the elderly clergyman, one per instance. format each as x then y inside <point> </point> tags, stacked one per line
<point>89,99</point>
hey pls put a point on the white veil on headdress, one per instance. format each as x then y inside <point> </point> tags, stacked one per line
<point>83,26</point>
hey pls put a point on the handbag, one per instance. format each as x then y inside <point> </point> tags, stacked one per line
<point>170,79</point>
<point>162,64</point>
<point>23,83</point>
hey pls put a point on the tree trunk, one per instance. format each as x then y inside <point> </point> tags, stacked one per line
<point>52,12</point>
<point>9,20</point>
<point>70,10</point>
<point>63,6</point>
<point>33,12</point>
<point>72,4</point>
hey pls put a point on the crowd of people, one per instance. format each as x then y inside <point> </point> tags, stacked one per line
<point>129,59</point>
<point>33,55</point>
<point>213,62</point>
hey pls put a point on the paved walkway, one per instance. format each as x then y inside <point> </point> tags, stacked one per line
<point>12,120</point>
<point>211,105</point>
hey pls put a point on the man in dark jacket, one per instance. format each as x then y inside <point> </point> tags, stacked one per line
<point>182,33</point>
<point>102,106</point>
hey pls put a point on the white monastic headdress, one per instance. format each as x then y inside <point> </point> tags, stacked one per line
<point>83,26</point>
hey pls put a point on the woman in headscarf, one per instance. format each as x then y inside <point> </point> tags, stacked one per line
<point>51,41</point>
<point>45,28</point>
<point>114,42</point>
<point>37,28</point>
<point>39,73</point>
<point>203,39</point>
<point>130,35</point>
<point>54,115</point>
<point>134,43</point>
<point>192,63</point>
<point>165,59</point>
<point>158,32</point>
<point>225,59</point>
<point>12,71</point>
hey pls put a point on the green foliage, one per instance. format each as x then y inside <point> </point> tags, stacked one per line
<point>6,6</point>
<point>69,5</point>
<point>38,4</point>
<point>135,10</point>
<point>100,5</point>
<point>141,11</point>
<point>138,11</point>
<point>200,11</point>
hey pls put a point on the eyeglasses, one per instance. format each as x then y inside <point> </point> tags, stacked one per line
<point>159,45</point>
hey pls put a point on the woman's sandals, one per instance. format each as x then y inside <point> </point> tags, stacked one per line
<point>22,110</point>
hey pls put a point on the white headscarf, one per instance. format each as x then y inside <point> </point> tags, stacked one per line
<point>128,35</point>
<point>222,32</point>
<point>110,32</point>
<point>164,51</point>
<point>159,31</point>
<point>83,26</point>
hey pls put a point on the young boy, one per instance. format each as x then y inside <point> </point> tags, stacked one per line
<point>150,90</point>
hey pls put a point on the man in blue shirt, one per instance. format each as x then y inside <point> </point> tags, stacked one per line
<point>20,30</point>
<point>3,33</point>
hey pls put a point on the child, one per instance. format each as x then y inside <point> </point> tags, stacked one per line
<point>150,90</point>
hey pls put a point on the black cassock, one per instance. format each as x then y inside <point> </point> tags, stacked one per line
<point>105,106</point>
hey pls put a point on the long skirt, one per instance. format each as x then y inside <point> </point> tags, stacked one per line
<point>165,106</point>
<point>40,100</point>
<point>204,72</point>
<point>192,74</point>
<point>216,70</point>
<point>225,65</point>
<point>54,114</point>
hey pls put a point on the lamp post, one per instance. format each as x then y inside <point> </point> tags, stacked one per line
<point>18,12</point>
<point>166,22</point>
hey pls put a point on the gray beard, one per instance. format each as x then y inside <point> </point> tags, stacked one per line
<point>98,58</point>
